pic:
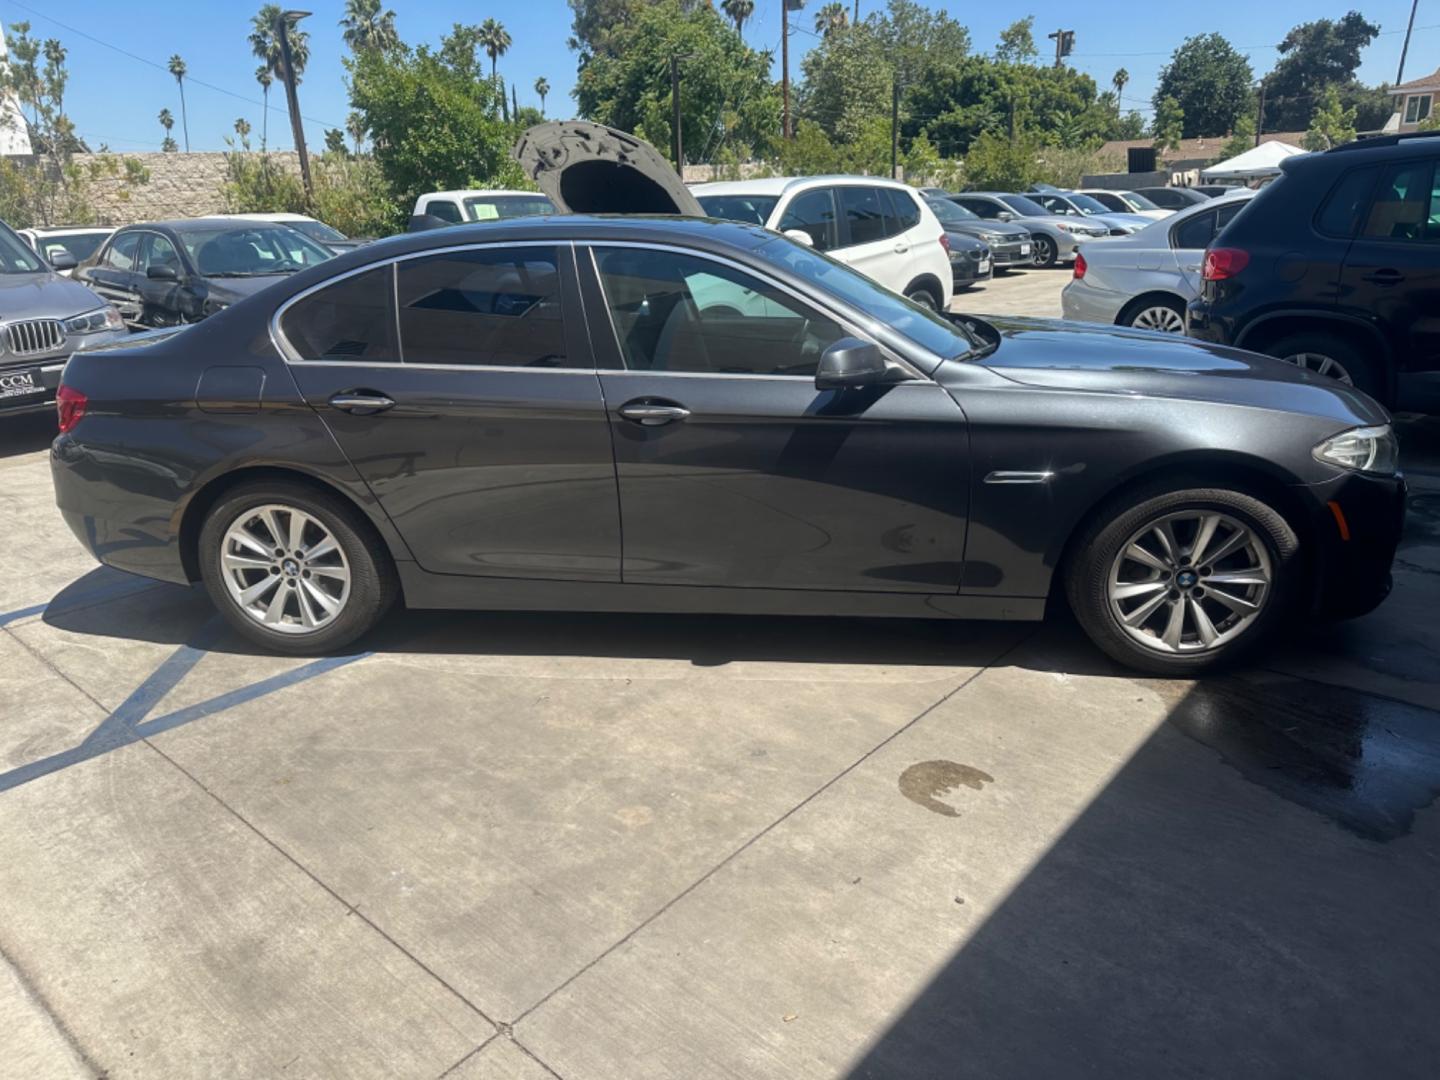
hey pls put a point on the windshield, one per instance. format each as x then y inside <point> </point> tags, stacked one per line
<point>15,255</point>
<point>1023,206</point>
<point>1138,201</point>
<point>1087,204</point>
<point>949,213</point>
<point>504,207</point>
<point>751,209</point>
<point>251,250</point>
<point>318,230</point>
<point>925,328</point>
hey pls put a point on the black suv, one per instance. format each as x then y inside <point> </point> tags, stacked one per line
<point>1336,267</point>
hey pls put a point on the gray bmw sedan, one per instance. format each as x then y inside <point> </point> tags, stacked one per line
<point>673,414</point>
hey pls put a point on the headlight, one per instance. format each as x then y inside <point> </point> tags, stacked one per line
<point>106,318</point>
<point>1063,227</point>
<point>1364,449</point>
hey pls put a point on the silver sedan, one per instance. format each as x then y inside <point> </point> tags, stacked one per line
<point>1145,280</point>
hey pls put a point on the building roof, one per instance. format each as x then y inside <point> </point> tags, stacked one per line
<point>1425,82</point>
<point>1197,149</point>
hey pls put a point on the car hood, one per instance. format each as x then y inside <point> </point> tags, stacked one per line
<point>588,168</point>
<point>230,290</point>
<point>1115,360</point>
<point>44,295</point>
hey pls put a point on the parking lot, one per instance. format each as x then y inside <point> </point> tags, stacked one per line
<point>660,846</point>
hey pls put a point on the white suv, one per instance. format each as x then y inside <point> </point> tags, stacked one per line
<point>880,227</point>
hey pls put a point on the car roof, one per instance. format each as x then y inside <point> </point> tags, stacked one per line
<point>199,224</point>
<point>66,230</point>
<point>471,193</point>
<point>277,216</point>
<point>779,185</point>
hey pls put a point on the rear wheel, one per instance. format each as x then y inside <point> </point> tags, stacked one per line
<point>1177,582</point>
<point>1157,313</point>
<point>294,569</point>
<point>1329,355</point>
<point>923,296</point>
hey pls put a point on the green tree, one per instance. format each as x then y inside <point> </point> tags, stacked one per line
<point>335,142</point>
<point>167,121</point>
<point>1332,124</point>
<point>355,128</point>
<point>595,21</point>
<point>265,42</point>
<point>1001,164</point>
<point>1211,83</point>
<point>739,11</point>
<point>542,88</point>
<point>1017,42</point>
<point>177,68</point>
<point>367,27</point>
<point>1241,139</point>
<point>242,127</point>
<point>846,82</point>
<point>728,93</point>
<point>830,18</point>
<point>1169,126</point>
<point>495,40</point>
<point>1313,56</point>
<point>1372,104</point>
<point>1119,81</point>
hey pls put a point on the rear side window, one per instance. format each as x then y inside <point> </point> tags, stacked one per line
<point>353,319</point>
<point>1343,207</point>
<point>813,213</point>
<point>444,210</point>
<point>864,213</point>
<point>906,211</point>
<point>485,307</point>
<point>1196,233</point>
<point>1405,204</point>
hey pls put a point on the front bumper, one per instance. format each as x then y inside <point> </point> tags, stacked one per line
<point>1357,521</point>
<point>1016,253</point>
<point>29,384</point>
<point>966,271</point>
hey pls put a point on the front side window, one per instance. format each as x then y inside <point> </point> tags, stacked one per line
<point>122,253</point>
<point>157,251</point>
<point>1403,207</point>
<point>353,319</point>
<point>1112,202</point>
<point>864,214</point>
<point>680,313</point>
<point>492,307</point>
<point>982,208</point>
<point>813,213</point>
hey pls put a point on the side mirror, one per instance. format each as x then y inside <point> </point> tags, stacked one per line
<point>1005,215</point>
<point>63,260</point>
<point>800,236</point>
<point>160,272</point>
<point>850,363</point>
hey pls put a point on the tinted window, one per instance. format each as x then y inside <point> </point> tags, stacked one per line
<point>1402,207</point>
<point>317,231</point>
<point>1346,202</point>
<point>813,213</point>
<point>864,213</point>
<point>980,208</point>
<point>156,250</point>
<point>80,245</point>
<point>498,207</point>
<point>444,210</point>
<point>121,254</point>
<point>907,211</point>
<point>1196,233</point>
<point>490,307</point>
<point>751,209</point>
<point>251,251</point>
<point>1112,202</point>
<point>677,312</point>
<point>1023,206</point>
<point>354,319</point>
<point>1140,202</point>
<point>1229,212</point>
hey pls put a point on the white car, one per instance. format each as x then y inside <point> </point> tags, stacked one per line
<point>882,228</point>
<point>473,204</point>
<point>1146,280</point>
<point>77,241</point>
<point>1126,202</point>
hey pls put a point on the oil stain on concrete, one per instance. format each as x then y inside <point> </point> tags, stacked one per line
<point>926,782</point>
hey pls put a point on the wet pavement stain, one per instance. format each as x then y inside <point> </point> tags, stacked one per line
<point>1366,763</point>
<point>925,782</point>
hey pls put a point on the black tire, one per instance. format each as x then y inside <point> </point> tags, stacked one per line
<point>924,296</point>
<point>1047,252</point>
<point>373,585</point>
<point>1096,549</point>
<point>1362,373</point>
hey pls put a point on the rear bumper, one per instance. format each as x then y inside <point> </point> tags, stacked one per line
<point>1082,302</point>
<point>1357,521</point>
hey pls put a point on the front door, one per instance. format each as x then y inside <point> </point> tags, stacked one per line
<point>734,470</point>
<point>472,409</point>
<point>113,275</point>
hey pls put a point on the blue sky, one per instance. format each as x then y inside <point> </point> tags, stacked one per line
<point>114,98</point>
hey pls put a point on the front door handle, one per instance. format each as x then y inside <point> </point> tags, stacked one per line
<point>361,402</point>
<point>1385,277</point>
<point>652,412</point>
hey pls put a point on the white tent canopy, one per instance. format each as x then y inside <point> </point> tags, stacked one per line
<point>1262,160</point>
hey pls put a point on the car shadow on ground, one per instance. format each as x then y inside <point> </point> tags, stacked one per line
<point>27,432</point>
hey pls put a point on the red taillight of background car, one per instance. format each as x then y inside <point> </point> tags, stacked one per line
<point>1080,266</point>
<point>1222,263</point>
<point>945,242</point>
<point>70,404</point>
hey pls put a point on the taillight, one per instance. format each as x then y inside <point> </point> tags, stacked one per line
<point>945,242</point>
<point>70,404</point>
<point>1080,266</point>
<point>1222,263</point>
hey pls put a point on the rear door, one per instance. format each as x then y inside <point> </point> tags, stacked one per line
<point>733,469</point>
<point>460,384</point>
<point>869,235</point>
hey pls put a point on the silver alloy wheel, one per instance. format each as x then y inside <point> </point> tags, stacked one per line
<point>1161,317</point>
<point>1321,365</point>
<point>284,569</point>
<point>1044,251</point>
<point>1189,582</point>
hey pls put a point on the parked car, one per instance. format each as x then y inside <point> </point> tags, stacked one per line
<point>44,319</point>
<point>322,234</point>
<point>1070,204</point>
<point>881,227</point>
<point>1126,202</point>
<point>722,419</point>
<point>1172,198</point>
<point>1055,238</point>
<point>78,242</point>
<point>1335,269</point>
<point>1146,280</point>
<point>168,273</point>
<point>971,262</point>
<point>437,209</point>
<point>1216,191</point>
<point>1010,245</point>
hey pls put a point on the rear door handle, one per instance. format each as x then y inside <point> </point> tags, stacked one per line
<point>1385,277</point>
<point>361,402</point>
<point>900,249</point>
<point>652,412</point>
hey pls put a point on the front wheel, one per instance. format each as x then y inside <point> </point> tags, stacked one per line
<point>294,569</point>
<point>924,297</point>
<point>1046,252</point>
<point>1177,582</point>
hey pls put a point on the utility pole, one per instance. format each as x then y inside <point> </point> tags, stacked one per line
<point>1399,75</point>
<point>296,128</point>
<point>1064,45</point>
<point>785,68</point>
<point>677,142</point>
<point>894,127</point>
<point>1260,114</point>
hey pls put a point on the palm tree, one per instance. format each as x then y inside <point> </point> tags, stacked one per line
<point>177,68</point>
<point>167,121</point>
<point>495,40</point>
<point>1118,80</point>
<point>265,45</point>
<point>739,10</point>
<point>830,18</point>
<point>264,78</point>
<point>367,28</point>
<point>542,88</point>
<point>242,128</point>
<point>355,126</point>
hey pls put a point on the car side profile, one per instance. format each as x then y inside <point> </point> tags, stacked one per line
<point>1126,202</point>
<point>436,209</point>
<point>1056,239</point>
<point>1172,198</point>
<point>633,413</point>
<point>1073,204</point>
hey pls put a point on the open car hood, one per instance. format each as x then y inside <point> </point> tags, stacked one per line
<point>589,168</point>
